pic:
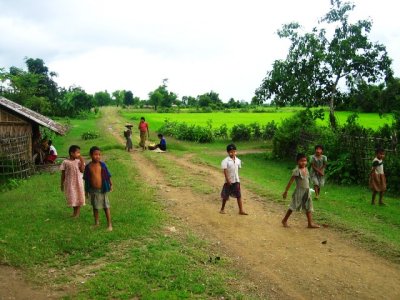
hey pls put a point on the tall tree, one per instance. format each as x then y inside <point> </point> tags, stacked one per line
<point>128,98</point>
<point>102,98</point>
<point>321,66</point>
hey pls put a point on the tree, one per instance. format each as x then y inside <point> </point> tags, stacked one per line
<point>128,98</point>
<point>118,97</point>
<point>319,66</point>
<point>162,97</point>
<point>210,99</point>
<point>102,98</point>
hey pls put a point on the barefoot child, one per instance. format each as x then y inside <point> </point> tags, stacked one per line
<point>71,179</point>
<point>231,165</point>
<point>144,132</point>
<point>377,179</point>
<point>318,165</point>
<point>97,185</point>
<point>301,198</point>
<point>128,137</point>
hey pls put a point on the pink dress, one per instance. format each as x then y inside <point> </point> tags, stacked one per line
<point>73,185</point>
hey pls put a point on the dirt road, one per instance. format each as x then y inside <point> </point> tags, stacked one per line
<point>283,263</point>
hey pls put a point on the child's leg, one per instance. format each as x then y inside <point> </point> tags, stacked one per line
<point>373,197</point>
<point>316,189</point>
<point>96,216</point>
<point>310,221</point>
<point>240,204</point>
<point>381,198</point>
<point>108,216</point>
<point>222,211</point>
<point>76,211</point>
<point>285,219</point>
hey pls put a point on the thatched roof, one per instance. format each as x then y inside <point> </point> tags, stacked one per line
<point>32,115</point>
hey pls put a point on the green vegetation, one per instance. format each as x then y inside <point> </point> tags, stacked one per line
<point>140,258</point>
<point>156,120</point>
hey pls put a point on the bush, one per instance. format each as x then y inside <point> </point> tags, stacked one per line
<point>183,131</point>
<point>269,130</point>
<point>221,132</point>
<point>256,131</point>
<point>240,132</point>
<point>90,135</point>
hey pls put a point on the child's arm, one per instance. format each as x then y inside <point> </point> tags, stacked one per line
<point>288,186</point>
<point>226,176</point>
<point>62,180</point>
<point>148,131</point>
<point>111,185</point>
<point>82,164</point>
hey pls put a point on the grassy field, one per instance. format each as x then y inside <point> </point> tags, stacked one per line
<point>369,120</point>
<point>139,259</point>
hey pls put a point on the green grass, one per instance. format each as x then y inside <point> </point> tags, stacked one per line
<point>138,259</point>
<point>155,120</point>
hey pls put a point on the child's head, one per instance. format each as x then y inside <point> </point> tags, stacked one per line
<point>142,119</point>
<point>231,149</point>
<point>319,149</point>
<point>301,160</point>
<point>50,142</point>
<point>380,153</point>
<point>74,151</point>
<point>160,136</point>
<point>95,153</point>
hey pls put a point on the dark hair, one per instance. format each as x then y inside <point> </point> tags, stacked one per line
<point>379,150</point>
<point>160,135</point>
<point>73,148</point>
<point>142,118</point>
<point>300,156</point>
<point>49,142</point>
<point>230,147</point>
<point>94,148</point>
<point>319,146</point>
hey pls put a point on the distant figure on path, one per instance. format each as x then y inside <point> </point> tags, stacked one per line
<point>71,179</point>
<point>377,179</point>
<point>317,173</point>
<point>128,137</point>
<point>301,198</point>
<point>144,132</point>
<point>231,188</point>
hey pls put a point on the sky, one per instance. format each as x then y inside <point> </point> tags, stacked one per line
<point>222,45</point>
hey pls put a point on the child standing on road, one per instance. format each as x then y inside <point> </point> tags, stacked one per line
<point>128,137</point>
<point>377,179</point>
<point>97,185</point>
<point>71,179</point>
<point>231,165</point>
<point>144,132</point>
<point>301,198</point>
<point>318,165</point>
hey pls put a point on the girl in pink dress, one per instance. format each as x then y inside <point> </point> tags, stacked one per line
<point>72,181</point>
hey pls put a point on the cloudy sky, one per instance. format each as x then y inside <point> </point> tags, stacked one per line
<point>221,45</point>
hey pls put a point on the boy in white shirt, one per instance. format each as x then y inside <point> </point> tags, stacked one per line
<point>231,165</point>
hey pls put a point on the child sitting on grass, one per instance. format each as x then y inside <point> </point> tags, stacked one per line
<point>71,179</point>
<point>162,145</point>
<point>97,185</point>
<point>318,165</point>
<point>377,179</point>
<point>231,165</point>
<point>301,198</point>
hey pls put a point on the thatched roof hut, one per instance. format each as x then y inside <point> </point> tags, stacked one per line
<point>19,133</point>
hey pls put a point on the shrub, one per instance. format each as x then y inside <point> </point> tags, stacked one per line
<point>221,132</point>
<point>269,130</point>
<point>256,132</point>
<point>90,135</point>
<point>183,131</point>
<point>240,132</point>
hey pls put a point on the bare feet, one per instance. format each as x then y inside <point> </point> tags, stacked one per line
<point>243,213</point>
<point>312,225</point>
<point>109,228</point>
<point>285,224</point>
<point>222,212</point>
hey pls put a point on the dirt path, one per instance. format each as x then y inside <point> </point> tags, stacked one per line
<point>282,263</point>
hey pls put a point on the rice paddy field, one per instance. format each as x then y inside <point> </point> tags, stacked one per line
<point>368,120</point>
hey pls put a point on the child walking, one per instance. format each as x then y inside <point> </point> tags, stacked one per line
<point>71,179</point>
<point>144,132</point>
<point>97,185</point>
<point>231,165</point>
<point>128,137</point>
<point>318,165</point>
<point>301,198</point>
<point>377,179</point>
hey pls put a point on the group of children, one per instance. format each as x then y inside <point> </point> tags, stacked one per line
<point>301,197</point>
<point>94,180</point>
